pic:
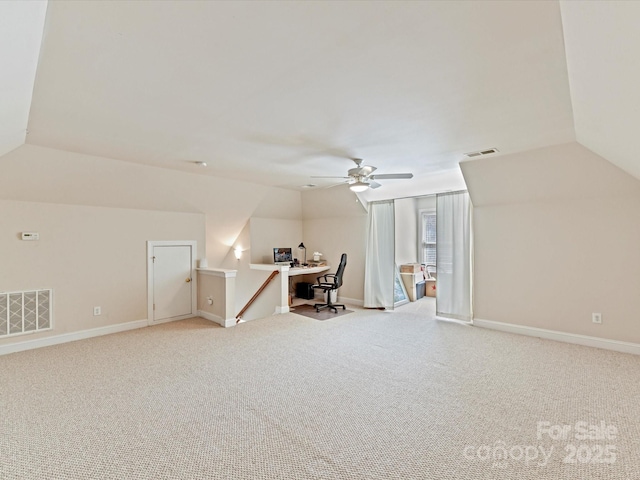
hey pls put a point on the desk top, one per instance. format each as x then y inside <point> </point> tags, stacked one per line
<point>288,270</point>
<point>304,270</point>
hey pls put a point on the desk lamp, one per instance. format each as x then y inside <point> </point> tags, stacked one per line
<point>302,247</point>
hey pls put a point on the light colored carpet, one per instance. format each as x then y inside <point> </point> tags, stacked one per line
<point>371,395</point>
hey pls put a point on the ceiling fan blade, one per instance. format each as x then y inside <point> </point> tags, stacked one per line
<point>391,176</point>
<point>336,185</point>
<point>374,185</point>
<point>315,176</point>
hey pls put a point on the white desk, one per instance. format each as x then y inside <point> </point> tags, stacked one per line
<point>304,270</point>
<point>285,273</point>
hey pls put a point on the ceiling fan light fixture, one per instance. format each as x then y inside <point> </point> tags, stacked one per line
<point>359,186</point>
<point>362,177</point>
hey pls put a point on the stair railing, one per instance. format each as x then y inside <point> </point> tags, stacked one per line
<point>256,295</point>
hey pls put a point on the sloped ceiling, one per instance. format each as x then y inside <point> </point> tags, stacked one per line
<point>568,172</point>
<point>276,92</point>
<point>603,50</point>
<point>21,25</point>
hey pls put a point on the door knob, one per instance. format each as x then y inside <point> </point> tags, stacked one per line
<point>188,280</point>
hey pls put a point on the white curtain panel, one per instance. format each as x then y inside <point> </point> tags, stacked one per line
<point>454,256</point>
<point>380,256</point>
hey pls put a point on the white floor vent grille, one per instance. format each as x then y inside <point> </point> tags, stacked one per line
<point>25,312</point>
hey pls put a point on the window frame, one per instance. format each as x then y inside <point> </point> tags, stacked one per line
<point>421,228</point>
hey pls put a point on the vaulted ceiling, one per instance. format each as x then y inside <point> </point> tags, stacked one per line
<point>277,92</point>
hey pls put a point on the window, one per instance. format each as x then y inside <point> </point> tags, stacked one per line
<point>428,237</point>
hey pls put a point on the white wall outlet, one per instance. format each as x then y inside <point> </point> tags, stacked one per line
<point>30,236</point>
<point>596,317</point>
<point>210,300</point>
<point>97,311</point>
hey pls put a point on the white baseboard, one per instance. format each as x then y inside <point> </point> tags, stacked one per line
<point>351,301</point>
<point>224,322</point>
<point>616,345</point>
<point>71,337</point>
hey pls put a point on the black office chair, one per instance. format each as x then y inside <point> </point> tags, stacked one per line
<point>330,282</point>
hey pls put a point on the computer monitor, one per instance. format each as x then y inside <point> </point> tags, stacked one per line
<point>282,256</point>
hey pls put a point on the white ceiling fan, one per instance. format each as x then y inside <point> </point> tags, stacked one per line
<point>362,178</point>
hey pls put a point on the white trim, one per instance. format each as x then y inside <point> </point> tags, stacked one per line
<point>605,343</point>
<point>217,272</point>
<point>151,244</point>
<point>71,337</point>
<point>421,212</point>
<point>174,319</point>
<point>228,322</point>
<point>290,271</point>
<point>350,301</point>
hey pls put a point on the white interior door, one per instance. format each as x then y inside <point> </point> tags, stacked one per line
<point>172,282</point>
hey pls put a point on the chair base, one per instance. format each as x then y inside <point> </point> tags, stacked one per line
<point>330,306</point>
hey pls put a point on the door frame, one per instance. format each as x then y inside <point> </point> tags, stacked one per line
<point>151,244</point>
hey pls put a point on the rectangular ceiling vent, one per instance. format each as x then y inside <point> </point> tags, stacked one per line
<point>481,153</point>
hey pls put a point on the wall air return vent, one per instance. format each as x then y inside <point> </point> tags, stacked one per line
<point>481,153</point>
<point>25,312</point>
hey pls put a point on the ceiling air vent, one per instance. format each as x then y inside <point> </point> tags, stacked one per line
<point>481,153</point>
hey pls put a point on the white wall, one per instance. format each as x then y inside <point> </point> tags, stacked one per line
<point>248,281</point>
<point>101,212</point>
<point>54,176</point>
<point>407,231</point>
<point>426,203</point>
<point>269,233</point>
<point>89,256</point>
<point>556,238</point>
<point>334,222</point>
<point>407,225</point>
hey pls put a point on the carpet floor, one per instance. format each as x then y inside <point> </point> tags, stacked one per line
<point>370,395</point>
<point>324,314</point>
